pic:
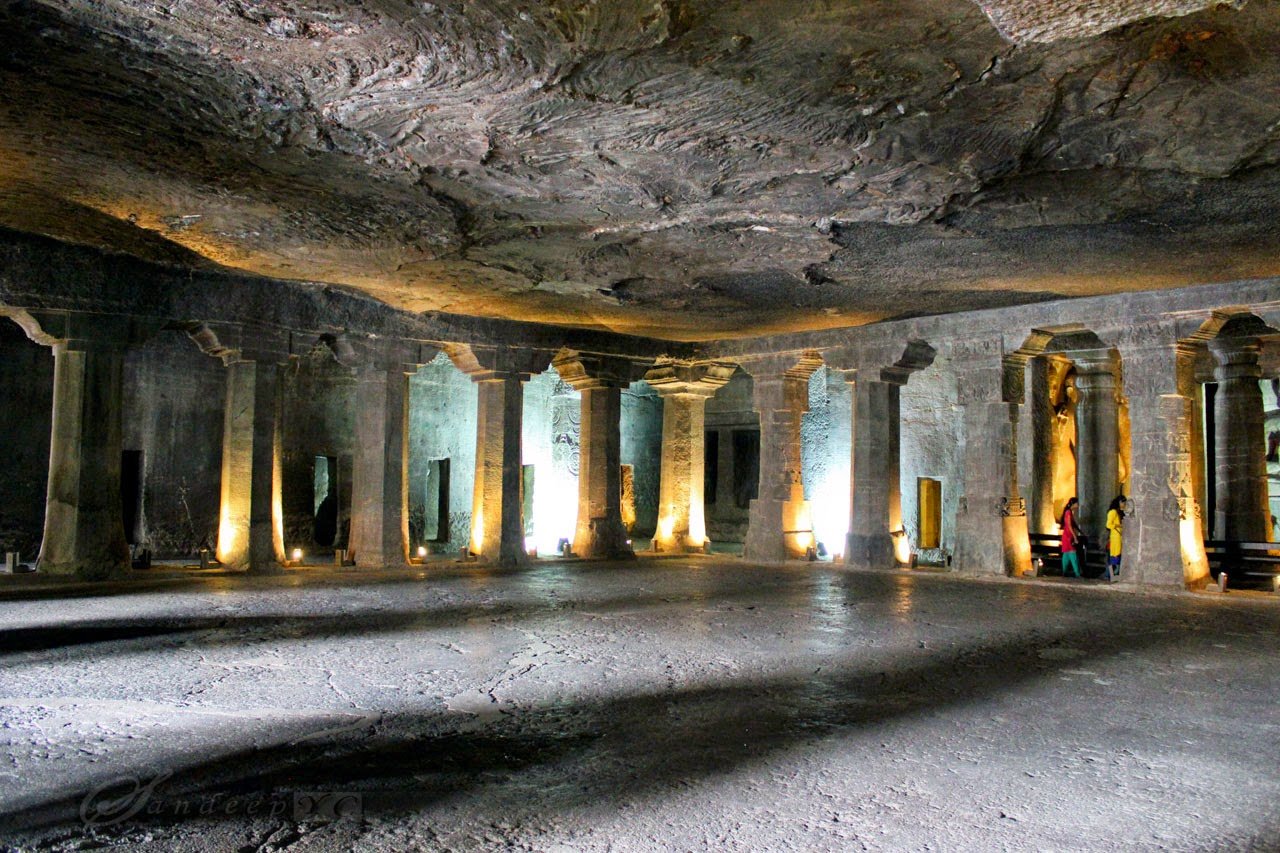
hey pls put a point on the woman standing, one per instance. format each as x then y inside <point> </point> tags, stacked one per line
<point>1070,538</point>
<point>1115,523</point>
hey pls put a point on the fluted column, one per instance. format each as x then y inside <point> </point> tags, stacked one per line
<point>685,389</point>
<point>1097,440</point>
<point>1240,473</point>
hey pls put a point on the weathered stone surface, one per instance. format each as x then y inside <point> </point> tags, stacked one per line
<point>684,169</point>
<point>1040,21</point>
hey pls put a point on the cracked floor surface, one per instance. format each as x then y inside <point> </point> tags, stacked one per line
<point>674,704</point>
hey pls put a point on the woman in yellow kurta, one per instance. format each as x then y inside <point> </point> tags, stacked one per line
<point>1115,523</point>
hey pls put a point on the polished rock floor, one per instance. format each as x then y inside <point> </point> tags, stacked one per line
<point>700,704</point>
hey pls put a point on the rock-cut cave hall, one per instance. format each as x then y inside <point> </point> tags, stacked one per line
<point>639,425</point>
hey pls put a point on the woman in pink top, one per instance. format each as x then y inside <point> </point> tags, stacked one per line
<point>1070,533</point>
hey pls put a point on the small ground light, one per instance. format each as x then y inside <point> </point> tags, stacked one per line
<point>422,550</point>
<point>297,555</point>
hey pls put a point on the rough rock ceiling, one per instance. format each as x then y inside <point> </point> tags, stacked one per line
<point>681,168</point>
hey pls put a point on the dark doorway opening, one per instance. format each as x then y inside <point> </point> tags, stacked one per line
<point>435,522</point>
<point>710,467</point>
<point>131,477</point>
<point>746,466</point>
<point>326,501</point>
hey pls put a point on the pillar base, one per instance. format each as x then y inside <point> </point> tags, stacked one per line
<point>602,539</point>
<point>869,551</point>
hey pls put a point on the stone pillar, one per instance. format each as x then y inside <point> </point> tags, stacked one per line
<point>84,527</point>
<point>1163,543</point>
<point>380,491</point>
<point>250,530</point>
<point>1043,517</point>
<point>876,427</point>
<point>497,526</point>
<point>685,389</point>
<point>1097,440</point>
<point>991,519</point>
<point>600,533</point>
<point>1241,512</point>
<point>497,522</point>
<point>779,525</point>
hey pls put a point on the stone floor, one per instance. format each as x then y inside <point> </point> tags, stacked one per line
<point>700,704</point>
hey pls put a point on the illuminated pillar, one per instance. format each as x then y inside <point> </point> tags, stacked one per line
<point>779,524</point>
<point>1241,513</point>
<point>876,535</point>
<point>84,527</point>
<point>497,526</point>
<point>685,389</point>
<point>1163,543</point>
<point>600,533</point>
<point>1097,440</point>
<point>250,531</point>
<point>379,511</point>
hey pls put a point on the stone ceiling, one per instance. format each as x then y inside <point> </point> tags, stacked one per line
<point>680,168</point>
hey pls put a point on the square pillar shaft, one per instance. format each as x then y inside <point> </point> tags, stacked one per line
<point>779,526</point>
<point>600,533</point>
<point>84,527</point>
<point>681,513</point>
<point>876,432</point>
<point>250,531</point>
<point>379,517</point>
<point>1162,541</point>
<point>497,528</point>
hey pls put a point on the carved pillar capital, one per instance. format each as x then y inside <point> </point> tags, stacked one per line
<point>1236,358</point>
<point>586,371</point>
<point>702,379</point>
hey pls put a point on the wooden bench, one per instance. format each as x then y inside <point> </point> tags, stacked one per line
<point>1246,563</point>
<point>1047,548</point>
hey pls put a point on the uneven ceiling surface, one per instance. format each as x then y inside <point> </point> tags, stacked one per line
<point>686,169</point>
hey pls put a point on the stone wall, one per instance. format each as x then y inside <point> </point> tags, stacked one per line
<point>318,419</point>
<point>931,447</point>
<point>173,414</point>
<point>551,442</point>
<point>26,408</point>
<point>442,425</point>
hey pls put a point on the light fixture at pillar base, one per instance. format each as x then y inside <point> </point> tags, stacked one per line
<point>422,552</point>
<point>565,547</point>
<point>295,558</point>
